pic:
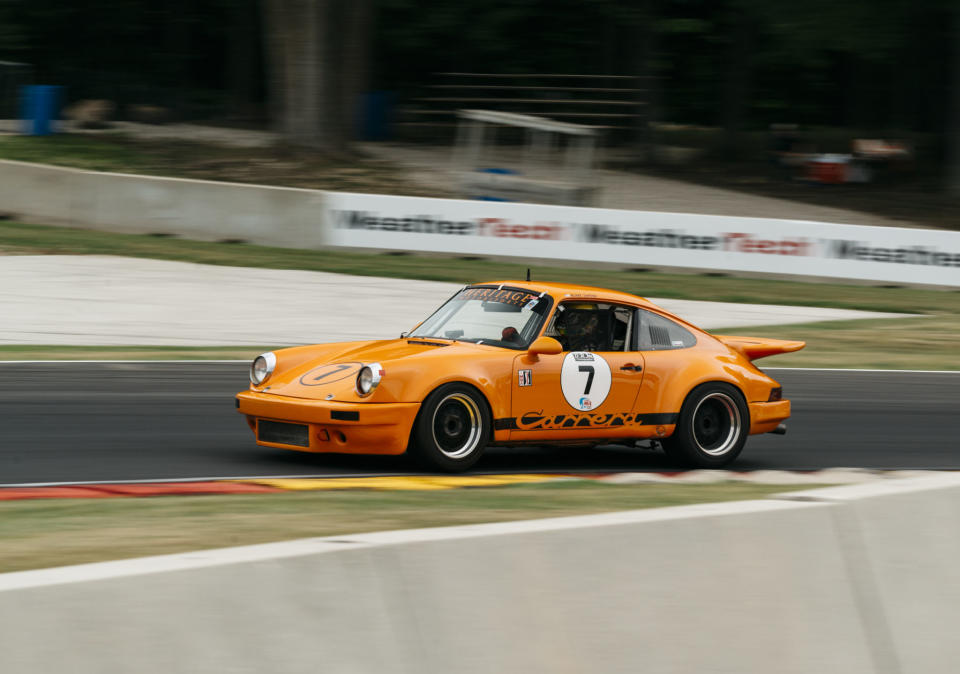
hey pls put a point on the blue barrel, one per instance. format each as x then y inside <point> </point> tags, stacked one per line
<point>40,106</point>
<point>376,110</point>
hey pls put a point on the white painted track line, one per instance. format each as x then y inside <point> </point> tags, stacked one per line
<point>201,361</point>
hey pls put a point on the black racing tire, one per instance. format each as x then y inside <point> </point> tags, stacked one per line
<point>712,427</point>
<point>452,428</point>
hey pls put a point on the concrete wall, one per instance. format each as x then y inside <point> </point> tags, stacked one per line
<point>194,209</point>
<point>902,542</point>
<point>297,218</point>
<point>852,579</point>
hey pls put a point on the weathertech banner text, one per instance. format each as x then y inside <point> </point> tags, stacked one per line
<point>644,238</point>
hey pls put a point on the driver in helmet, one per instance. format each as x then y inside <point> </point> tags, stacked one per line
<point>581,330</point>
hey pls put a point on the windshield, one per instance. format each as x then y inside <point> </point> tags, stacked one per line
<point>507,317</point>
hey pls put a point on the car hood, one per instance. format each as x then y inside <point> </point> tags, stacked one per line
<point>332,373</point>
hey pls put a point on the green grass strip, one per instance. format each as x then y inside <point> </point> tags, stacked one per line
<point>38,534</point>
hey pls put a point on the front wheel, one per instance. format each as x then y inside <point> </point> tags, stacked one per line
<point>712,427</point>
<point>452,428</point>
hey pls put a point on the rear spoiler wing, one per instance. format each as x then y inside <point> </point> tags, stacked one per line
<point>760,347</point>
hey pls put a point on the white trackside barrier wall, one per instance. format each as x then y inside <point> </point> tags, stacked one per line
<point>849,580</point>
<point>301,218</point>
<point>640,238</point>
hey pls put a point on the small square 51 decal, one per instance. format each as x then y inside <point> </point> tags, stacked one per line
<point>525,377</point>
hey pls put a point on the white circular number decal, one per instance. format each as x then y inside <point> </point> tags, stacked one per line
<point>585,380</point>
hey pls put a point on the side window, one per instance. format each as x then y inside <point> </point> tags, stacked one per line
<point>621,337</point>
<point>656,333</point>
<point>592,326</point>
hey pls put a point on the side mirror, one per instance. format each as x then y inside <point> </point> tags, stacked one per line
<point>545,345</point>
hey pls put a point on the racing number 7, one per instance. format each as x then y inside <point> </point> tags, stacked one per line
<point>340,368</point>
<point>590,372</point>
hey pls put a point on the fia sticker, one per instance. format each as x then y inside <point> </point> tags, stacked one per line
<point>525,377</point>
<point>585,380</point>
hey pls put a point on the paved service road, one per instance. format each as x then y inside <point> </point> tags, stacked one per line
<point>70,422</point>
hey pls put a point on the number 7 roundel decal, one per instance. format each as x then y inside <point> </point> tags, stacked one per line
<point>585,380</point>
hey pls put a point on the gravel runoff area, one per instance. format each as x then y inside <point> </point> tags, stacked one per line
<point>116,301</point>
<point>198,133</point>
<point>430,166</point>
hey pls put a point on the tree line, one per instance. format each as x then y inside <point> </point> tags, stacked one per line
<point>882,66</point>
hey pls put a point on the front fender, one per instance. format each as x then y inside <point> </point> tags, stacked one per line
<point>411,382</point>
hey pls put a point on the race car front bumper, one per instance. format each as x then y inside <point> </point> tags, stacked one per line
<point>326,425</point>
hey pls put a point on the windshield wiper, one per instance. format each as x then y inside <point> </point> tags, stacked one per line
<point>428,341</point>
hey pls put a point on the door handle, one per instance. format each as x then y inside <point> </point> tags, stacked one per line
<point>632,368</point>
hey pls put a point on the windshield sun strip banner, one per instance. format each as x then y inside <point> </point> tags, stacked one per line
<point>511,296</point>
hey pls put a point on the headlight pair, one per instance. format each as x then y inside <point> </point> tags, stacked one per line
<point>367,379</point>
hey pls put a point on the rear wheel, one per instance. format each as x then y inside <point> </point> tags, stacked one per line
<point>452,428</point>
<point>712,427</point>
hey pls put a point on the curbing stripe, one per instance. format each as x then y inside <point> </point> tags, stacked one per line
<point>24,493</point>
<point>406,483</point>
<point>269,485</point>
<point>122,490</point>
<point>188,488</point>
<point>385,484</point>
<point>831,476</point>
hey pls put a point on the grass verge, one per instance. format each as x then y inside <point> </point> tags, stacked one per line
<point>281,166</point>
<point>40,533</point>
<point>923,343</point>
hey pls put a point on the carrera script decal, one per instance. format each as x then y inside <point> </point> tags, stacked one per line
<point>536,421</point>
<point>328,374</point>
<point>531,421</point>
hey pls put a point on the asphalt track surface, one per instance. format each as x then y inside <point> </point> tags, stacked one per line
<point>77,422</point>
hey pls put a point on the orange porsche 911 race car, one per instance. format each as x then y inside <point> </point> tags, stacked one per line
<point>515,362</point>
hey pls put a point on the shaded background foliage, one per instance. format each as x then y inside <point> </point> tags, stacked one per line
<point>880,65</point>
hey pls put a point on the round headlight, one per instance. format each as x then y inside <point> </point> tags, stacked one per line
<point>368,378</point>
<point>262,367</point>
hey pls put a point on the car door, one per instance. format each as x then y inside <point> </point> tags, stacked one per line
<point>582,392</point>
<point>663,345</point>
